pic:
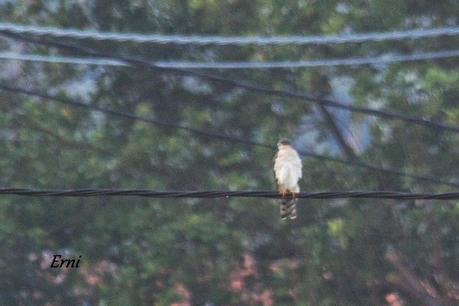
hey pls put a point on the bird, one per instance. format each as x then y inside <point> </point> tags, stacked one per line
<point>287,171</point>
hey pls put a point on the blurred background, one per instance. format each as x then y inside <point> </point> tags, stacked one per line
<point>138,251</point>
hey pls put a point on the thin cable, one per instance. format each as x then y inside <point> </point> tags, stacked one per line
<point>220,136</point>
<point>228,40</point>
<point>355,61</point>
<point>215,194</point>
<point>125,115</point>
<point>135,62</point>
<point>60,59</point>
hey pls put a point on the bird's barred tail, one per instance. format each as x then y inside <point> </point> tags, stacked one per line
<point>288,209</point>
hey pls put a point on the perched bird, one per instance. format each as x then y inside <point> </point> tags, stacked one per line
<point>287,169</point>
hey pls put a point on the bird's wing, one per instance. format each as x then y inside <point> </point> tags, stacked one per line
<point>299,165</point>
<point>277,165</point>
<point>274,168</point>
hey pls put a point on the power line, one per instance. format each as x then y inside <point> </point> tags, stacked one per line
<point>136,62</point>
<point>228,40</point>
<point>354,61</point>
<point>221,136</point>
<point>125,115</point>
<point>95,192</point>
<point>60,59</point>
<point>385,59</point>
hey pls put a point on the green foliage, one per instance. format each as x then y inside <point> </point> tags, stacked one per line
<point>227,252</point>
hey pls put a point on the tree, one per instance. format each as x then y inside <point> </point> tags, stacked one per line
<point>196,252</point>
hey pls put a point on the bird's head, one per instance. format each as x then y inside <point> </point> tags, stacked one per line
<point>283,142</point>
